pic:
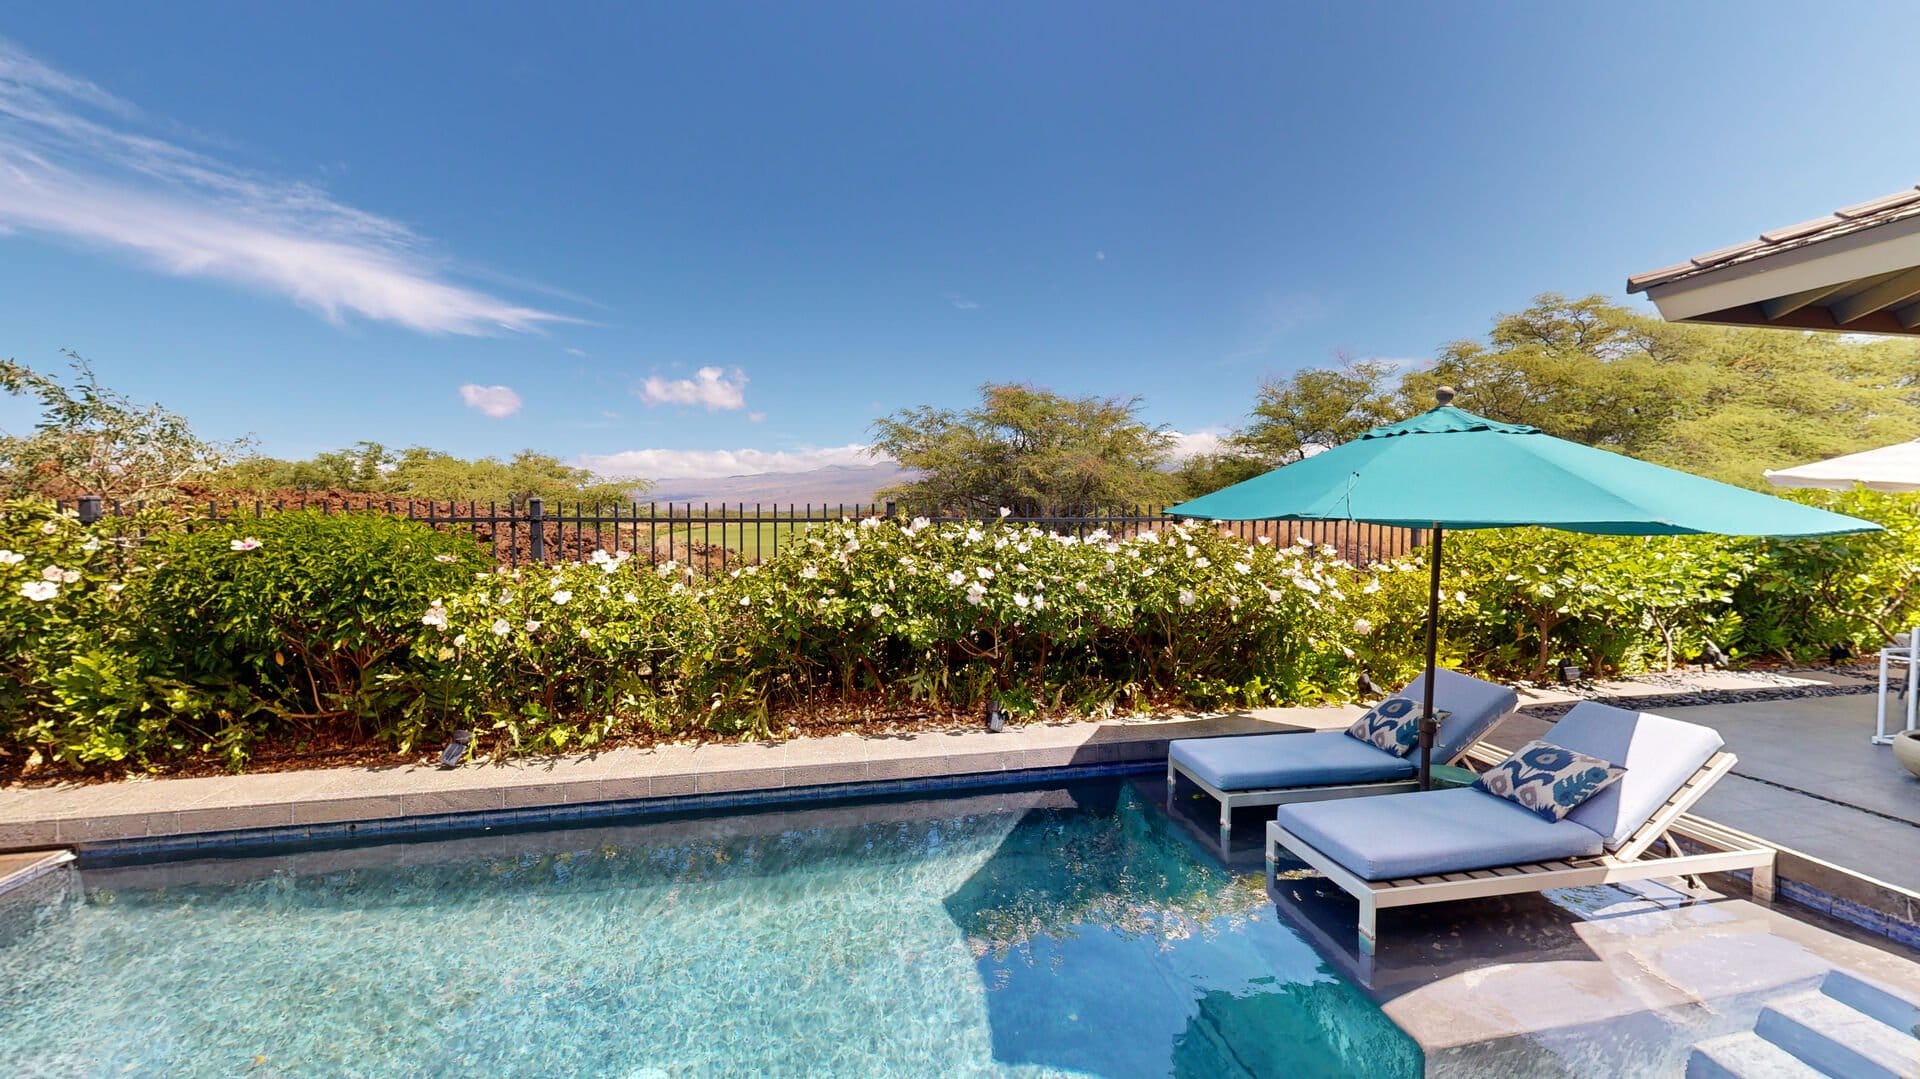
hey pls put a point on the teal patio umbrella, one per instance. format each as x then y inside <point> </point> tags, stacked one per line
<point>1448,468</point>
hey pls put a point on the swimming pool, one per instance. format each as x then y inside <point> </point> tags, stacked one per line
<point>1065,930</point>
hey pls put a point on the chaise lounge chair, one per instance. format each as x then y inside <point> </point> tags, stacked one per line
<point>1272,769</point>
<point>1432,846</point>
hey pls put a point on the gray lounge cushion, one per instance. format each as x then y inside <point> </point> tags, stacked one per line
<point>1422,833</point>
<point>1476,707</point>
<point>1658,753</point>
<point>1253,762</point>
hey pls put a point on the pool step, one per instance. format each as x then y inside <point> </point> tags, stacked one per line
<point>1845,1026</point>
<point>1837,1039</point>
<point>1745,1055</point>
<point>1864,996</point>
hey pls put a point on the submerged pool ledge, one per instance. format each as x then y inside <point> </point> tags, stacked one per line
<point>162,813</point>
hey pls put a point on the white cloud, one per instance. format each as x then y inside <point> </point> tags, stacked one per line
<point>77,163</point>
<point>1194,444</point>
<point>714,464</point>
<point>756,417</point>
<point>493,402</point>
<point>710,387</point>
<point>1099,256</point>
<point>961,303</point>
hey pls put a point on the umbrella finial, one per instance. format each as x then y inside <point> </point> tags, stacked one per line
<point>1443,394</point>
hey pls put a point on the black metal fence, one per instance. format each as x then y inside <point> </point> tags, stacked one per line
<point>708,538</point>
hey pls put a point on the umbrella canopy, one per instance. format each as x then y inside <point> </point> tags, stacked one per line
<point>1448,468</point>
<point>1889,468</point>
<point>1452,468</point>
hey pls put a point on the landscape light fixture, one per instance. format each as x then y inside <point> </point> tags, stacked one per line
<point>450,757</point>
<point>996,717</point>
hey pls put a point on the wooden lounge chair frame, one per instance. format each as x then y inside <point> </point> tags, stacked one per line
<point>1273,796</point>
<point>1720,851</point>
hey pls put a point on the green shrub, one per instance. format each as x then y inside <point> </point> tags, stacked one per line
<point>300,621</point>
<point>71,688</point>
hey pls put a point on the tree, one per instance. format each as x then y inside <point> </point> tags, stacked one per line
<point>1318,407</point>
<point>1030,450</point>
<point>93,440</point>
<point>420,472</point>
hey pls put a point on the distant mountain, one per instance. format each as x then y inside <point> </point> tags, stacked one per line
<point>833,485</point>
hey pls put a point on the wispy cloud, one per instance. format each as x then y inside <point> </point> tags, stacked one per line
<point>82,165</point>
<point>710,387</point>
<point>715,464</point>
<point>961,303</point>
<point>493,402</point>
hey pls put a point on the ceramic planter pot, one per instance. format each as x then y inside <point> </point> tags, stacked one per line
<point>1906,747</point>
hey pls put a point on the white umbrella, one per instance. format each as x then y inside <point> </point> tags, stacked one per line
<point>1889,468</point>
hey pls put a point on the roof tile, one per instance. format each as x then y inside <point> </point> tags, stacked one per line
<point>1899,205</point>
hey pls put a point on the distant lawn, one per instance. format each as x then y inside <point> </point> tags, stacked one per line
<point>753,540</point>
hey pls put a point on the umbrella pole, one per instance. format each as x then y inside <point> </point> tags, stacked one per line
<point>1427,725</point>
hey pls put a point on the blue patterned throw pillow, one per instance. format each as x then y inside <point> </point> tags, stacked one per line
<point>1393,725</point>
<point>1549,780</point>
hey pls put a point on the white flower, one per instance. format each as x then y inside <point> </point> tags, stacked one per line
<point>809,572</point>
<point>1186,598</point>
<point>956,578</point>
<point>92,544</point>
<point>918,524</point>
<point>247,544</point>
<point>1039,603</point>
<point>746,601</point>
<point>974,535</point>
<point>115,587</point>
<point>39,591</point>
<point>49,528</point>
<point>1146,571</point>
<point>1005,512</point>
<point>436,616</point>
<point>1264,540</point>
<point>600,558</point>
<point>877,610</point>
<point>976,593</point>
<point>631,598</point>
<point>60,576</point>
<point>443,559</point>
<point>1243,568</point>
<point>1308,585</point>
<point>984,573</point>
<point>1362,626</point>
<point>1021,601</point>
<point>11,558</point>
<point>603,590</point>
<point>501,627</point>
<point>586,634</point>
<point>561,597</point>
<point>459,640</point>
<point>869,522</point>
<point>1080,587</point>
<point>665,569</point>
<point>1372,586</point>
<point>1203,562</point>
<point>533,624</point>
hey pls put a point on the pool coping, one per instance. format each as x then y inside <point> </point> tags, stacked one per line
<point>383,799</point>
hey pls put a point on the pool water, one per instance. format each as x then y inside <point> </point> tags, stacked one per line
<point>1065,931</point>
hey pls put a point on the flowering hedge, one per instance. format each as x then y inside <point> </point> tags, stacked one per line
<point>307,630</point>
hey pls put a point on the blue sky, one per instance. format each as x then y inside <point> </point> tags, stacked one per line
<point>715,238</point>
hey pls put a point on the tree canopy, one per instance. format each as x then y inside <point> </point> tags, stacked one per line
<point>1030,450</point>
<point>419,472</point>
<point>1719,402</point>
<point>90,439</point>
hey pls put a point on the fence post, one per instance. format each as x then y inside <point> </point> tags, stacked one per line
<point>890,509</point>
<point>89,509</point>
<point>537,528</point>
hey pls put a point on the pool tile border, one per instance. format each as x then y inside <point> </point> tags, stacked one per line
<point>277,839</point>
